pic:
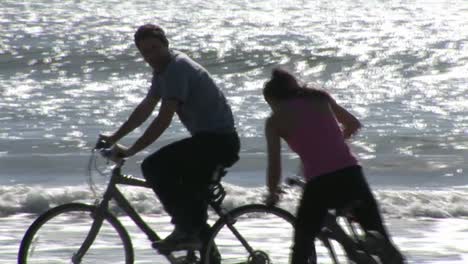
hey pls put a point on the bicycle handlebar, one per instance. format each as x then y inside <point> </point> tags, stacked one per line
<point>105,149</point>
<point>102,144</point>
<point>106,153</point>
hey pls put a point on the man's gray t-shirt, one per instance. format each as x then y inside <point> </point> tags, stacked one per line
<point>203,107</point>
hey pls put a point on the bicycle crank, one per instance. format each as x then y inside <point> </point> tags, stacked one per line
<point>258,257</point>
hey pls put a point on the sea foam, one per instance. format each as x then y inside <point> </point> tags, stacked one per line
<point>448,203</point>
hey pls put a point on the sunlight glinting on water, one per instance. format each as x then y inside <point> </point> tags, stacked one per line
<point>399,68</point>
<point>70,69</point>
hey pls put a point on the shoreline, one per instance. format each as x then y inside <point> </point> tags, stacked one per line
<point>423,241</point>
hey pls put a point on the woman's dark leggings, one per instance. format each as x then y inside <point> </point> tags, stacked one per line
<point>333,191</point>
<point>181,172</point>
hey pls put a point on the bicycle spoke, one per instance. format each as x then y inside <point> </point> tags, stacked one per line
<point>57,238</point>
<point>268,236</point>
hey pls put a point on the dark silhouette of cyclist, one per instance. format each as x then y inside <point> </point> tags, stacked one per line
<point>309,120</point>
<point>180,172</point>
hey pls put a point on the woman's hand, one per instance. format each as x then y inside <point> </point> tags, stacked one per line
<point>273,198</point>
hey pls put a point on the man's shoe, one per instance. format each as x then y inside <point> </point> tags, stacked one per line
<point>392,256</point>
<point>178,240</point>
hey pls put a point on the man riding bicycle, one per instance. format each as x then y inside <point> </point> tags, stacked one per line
<point>180,172</point>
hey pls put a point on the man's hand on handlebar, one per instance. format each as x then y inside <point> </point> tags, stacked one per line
<point>108,139</point>
<point>119,151</point>
<point>111,150</point>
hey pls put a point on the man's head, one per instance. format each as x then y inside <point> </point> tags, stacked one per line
<point>150,31</point>
<point>153,45</point>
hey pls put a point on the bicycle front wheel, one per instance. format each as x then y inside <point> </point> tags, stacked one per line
<point>57,235</point>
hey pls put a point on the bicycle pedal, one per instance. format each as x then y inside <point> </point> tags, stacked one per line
<point>186,260</point>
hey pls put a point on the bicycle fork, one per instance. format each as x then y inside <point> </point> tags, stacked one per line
<point>98,216</point>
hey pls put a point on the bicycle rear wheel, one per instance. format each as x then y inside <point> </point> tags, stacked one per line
<point>344,242</point>
<point>255,234</point>
<point>56,235</point>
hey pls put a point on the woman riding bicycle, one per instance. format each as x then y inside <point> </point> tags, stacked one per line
<point>309,120</point>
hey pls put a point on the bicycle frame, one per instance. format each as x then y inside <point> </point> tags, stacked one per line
<point>113,193</point>
<point>335,231</point>
<point>332,229</point>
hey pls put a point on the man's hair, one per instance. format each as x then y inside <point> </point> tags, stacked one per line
<point>148,31</point>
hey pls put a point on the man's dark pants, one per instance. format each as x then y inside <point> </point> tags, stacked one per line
<point>181,172</point>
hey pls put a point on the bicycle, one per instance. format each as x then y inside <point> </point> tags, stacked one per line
<point>346,241</point>
<point>249,234</point>
<point>91,233</point>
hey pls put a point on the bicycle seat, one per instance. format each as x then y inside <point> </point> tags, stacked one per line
<point>228,161</point>
<point>220,169</point>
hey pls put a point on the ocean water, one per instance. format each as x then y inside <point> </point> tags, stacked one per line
<point>69,70</point>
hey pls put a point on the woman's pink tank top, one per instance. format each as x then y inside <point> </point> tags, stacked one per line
<point>319,141</point>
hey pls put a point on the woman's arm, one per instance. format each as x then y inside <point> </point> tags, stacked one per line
<point>349,122</point>
<point>274,157</point>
